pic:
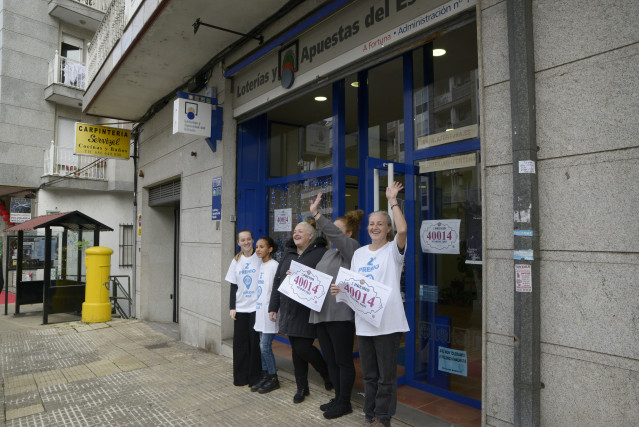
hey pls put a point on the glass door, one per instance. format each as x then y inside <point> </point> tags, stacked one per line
<point>448,312</point>
<point>380,174</point>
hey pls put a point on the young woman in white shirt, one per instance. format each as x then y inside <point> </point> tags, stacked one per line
<point>242,275</point>
<point>382,261</point>
<point>267,329</point>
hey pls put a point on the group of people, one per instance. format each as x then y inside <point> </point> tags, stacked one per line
<point>260,311</point>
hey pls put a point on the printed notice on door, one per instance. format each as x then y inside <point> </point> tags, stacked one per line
<point>523,278</point>
<point>440,236</point>
<point>306,286</point>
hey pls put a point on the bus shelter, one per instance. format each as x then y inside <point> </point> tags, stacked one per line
<point>65,292</point>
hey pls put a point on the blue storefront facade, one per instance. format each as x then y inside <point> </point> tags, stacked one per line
<point>351,101</point>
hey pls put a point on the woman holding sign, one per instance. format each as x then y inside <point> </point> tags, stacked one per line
<point>335,327</point>
<point>382,261</point>
<point>305,249</point>
<point>243,275</point>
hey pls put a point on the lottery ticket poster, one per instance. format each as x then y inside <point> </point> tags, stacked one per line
<point>306,286</point>
<point>365,296</point>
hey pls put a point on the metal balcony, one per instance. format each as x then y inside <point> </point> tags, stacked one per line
<point>81,13</point>
<point>63,162</point>
<point>66,81</point>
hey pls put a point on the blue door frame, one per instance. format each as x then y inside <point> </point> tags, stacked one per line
<point>253,182</point>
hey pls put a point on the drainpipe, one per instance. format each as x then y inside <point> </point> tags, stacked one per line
<point>136,134</point>
<point>527,382</point>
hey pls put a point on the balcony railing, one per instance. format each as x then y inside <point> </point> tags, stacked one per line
<point>63,162</point>
<point>96,4</point>
<point>67,72</point>
<point>109,32</point>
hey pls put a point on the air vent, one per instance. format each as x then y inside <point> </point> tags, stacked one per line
<point>165,194</point>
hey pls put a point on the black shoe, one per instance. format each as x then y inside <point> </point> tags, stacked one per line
<point>272,383</point>
<point>326,406</point>
<point>337,410</point>
<point>299,396</point>
<point>328,385</point>
<point>260,383</point>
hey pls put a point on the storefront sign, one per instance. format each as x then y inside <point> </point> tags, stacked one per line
<point>466,132</point>
<point>20,210</point>
<point>364,295</point>
<point>282,219</point>
<point>453,361</point>
<point>358,30</point>
<point>447,163</point>
<point>216,199</point>
<point>523,278</point>
<point>102,141</point>
<point>440,236</point>
<point>192,115</point>
<point>306,286</point>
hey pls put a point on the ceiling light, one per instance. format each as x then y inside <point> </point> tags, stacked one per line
<point>321,98</point>
<point>449,129</point>
<point>355,84</point>
<point>439,52</point>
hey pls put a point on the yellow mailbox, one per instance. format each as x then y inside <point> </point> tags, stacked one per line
<point>97,306</point>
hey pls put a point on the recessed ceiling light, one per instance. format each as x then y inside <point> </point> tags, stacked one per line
<point>321,98</point>
<point>355,84</point>
<point>449,129</point>
<point>439,52</point>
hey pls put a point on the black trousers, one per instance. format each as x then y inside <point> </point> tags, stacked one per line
<point>304,352</point>
<point>336,340</point>
<point>247,359</point>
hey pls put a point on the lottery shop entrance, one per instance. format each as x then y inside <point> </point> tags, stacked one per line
<point>347,139</point>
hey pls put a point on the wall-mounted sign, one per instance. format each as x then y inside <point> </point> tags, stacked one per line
<point>459,134</point>
<point>192,114</point>
<point>359,30</point>
<point>102,141</point>
<point>453,361</point>
<point>216,199</point>
<point>20,210</point>
<point>447,163</point>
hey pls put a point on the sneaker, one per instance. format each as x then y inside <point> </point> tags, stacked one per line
<point>326,406</point>
<point>338,410</point>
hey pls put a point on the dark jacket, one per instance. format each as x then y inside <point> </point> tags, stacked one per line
<point>293,316</point>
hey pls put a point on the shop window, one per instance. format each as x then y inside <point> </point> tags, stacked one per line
<point>289,205</point>
<point>445,94</point>
<point>301,134</point>
<point>386,111</point>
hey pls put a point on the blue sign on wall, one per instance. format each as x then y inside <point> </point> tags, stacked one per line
<point>216,199</point>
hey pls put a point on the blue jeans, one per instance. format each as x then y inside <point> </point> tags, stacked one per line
<point>268,358</point>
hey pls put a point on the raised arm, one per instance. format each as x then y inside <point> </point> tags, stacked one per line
<point>346,245</point>
<point>396,212</point>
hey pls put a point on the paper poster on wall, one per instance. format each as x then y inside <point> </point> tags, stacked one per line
<point>440,236</point>
<point>318,140</point>
<point>20,210</point>
<point>216,199</point>
<point>473,226</point>
<point>453,361</point>
<point>306,286</point>
<point>282,219</point>
<point>523,278</point>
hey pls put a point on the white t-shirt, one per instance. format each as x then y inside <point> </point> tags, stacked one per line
<point>243,273</point>
<point>383,265</point>
<point>264,289</point>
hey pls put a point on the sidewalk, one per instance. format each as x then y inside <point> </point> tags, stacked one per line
<point>125,373</point>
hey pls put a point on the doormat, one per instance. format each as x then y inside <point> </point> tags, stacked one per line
<point>12,298</point>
